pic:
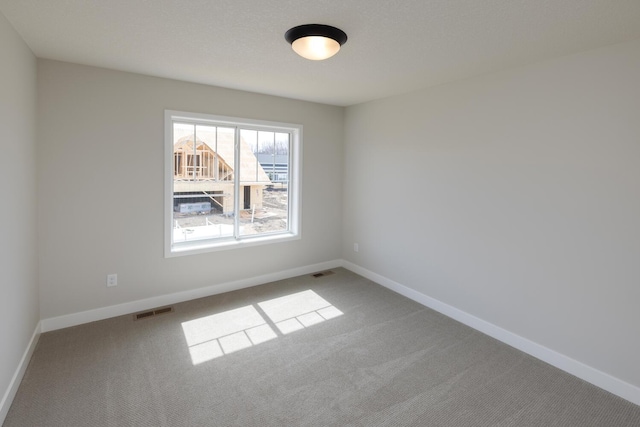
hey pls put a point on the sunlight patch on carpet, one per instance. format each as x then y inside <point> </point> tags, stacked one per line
<point>223,333</point>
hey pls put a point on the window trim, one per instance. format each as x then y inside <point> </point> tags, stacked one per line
<point>294,186</point>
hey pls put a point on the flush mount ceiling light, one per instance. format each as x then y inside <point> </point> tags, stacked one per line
<point>316,41</point>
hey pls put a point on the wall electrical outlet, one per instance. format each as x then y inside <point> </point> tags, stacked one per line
<point>112,280</point>
<point>356,248</point>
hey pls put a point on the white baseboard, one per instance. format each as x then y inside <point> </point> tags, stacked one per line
<point>598,378</point>
<point>74,319</point>
<point>11,391</point>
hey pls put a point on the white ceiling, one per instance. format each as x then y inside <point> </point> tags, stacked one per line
<point>394,46</point>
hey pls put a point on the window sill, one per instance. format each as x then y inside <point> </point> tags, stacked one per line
<point>205,246</point>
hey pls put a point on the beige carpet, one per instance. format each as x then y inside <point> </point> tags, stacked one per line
<point>331,351</point>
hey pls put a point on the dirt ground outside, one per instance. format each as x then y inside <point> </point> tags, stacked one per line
<point>270,218</point>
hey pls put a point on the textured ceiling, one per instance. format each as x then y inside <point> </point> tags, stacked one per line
<point>394,46</point>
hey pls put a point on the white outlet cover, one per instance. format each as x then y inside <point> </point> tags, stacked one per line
<point>112,280</point>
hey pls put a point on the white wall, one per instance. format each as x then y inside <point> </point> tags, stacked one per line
<point>18,263</point>
<point>100,158</point>
<point>514,197</point>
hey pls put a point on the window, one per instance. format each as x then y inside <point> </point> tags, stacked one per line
<point>229,182</point>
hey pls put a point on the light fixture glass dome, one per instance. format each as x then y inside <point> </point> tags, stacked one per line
<point>316,41</point>
<point>315,47</point>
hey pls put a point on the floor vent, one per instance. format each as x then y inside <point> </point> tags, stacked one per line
<point>151,313</point>
<point>323,273</point>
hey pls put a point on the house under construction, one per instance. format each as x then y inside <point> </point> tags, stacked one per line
<point>204,173</point>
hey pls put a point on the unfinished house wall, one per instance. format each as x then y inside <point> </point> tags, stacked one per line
<point>198,168</point>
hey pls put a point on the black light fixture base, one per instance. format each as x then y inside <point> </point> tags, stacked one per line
<point>316,30</point>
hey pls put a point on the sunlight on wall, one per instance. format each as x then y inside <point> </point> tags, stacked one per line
<point>214,336</point>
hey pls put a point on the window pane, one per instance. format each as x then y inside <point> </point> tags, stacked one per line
<point>264,196</point>
<point>203,183</point>
<point>229,180</point>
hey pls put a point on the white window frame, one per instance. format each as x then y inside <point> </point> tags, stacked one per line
<point>294,186</point>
